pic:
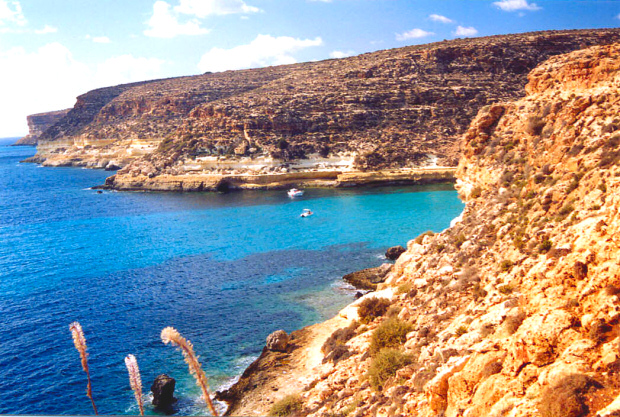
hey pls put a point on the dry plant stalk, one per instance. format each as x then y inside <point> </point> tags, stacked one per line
<point>80,344</point>
<point>134,380</point>
<point>171,335</point>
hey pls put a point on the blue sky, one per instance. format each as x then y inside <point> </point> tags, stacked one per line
<point>52,51</point>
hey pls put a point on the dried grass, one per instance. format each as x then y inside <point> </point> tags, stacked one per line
<point>171,335</point>
<point>134,380</point>
<point>80,344</point>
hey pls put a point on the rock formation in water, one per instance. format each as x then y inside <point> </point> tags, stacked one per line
<point>514,310</point>
<point>39,123</point>
<point>163,393</point>
<point>398,108</point>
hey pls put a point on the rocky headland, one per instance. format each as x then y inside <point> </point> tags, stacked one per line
<point>39,123</point>
<point>512,311</point>
<point>385,113</point>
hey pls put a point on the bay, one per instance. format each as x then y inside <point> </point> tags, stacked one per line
<point>224,269</point>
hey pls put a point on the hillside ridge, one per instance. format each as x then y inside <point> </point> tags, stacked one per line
<point>392,109</point>
<point>513,310</point>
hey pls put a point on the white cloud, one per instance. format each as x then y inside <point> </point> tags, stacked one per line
<point>618,17</point>
<point>513,5</point>
<point>440,18</point>
<point>11,16</point>
<point>28,90</point>
<point>263,51</point>
<point>101,39</point>
<point>465,31</point>
<point>341,54</point>
<point>204,8</point>
<point>46,29</point>
<point>164,23</point>
<point>127,68</point>
<point>413,34</point>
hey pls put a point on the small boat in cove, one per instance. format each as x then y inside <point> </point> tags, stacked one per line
<point>294,192</point>
<point>306,213</point>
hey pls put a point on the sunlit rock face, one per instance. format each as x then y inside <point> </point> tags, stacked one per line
<point>513,310</point>
<point>396,108</point>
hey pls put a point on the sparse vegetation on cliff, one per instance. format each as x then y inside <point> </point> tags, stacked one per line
<point>519,318</point>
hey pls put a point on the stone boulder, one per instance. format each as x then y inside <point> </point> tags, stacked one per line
<point>163,392</point>
<point>394,252</point>
<point>278,341</point>
<point>367,279</point>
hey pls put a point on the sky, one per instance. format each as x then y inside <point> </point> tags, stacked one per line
<point>53,51</point>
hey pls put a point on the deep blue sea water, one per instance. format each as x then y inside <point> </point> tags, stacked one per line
<point>224,269</point>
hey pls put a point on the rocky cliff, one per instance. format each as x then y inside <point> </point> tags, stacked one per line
<point>399,108</point>
<point>39,123</point>
<point>512,311</point>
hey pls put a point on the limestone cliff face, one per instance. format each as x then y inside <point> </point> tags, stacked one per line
<point>39,123</point>
<point>514,311</point>
<point>404,107</point>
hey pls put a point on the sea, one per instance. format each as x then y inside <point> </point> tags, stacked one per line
<point>225,270</point>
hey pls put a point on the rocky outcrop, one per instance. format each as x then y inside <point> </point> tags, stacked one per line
<point>367,279</point>
<point>163,392</point>
<point>254,181</point>
<point>39,123</point>
<point>399,108</point>
<point>394,252</point>
<point>514,310</point>
<point>277,341</point>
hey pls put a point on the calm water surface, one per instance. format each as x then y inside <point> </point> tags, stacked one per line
<point>224,269</point>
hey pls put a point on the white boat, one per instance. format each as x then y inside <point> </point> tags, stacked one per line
<point>306,213</point>
<point>294,192</point>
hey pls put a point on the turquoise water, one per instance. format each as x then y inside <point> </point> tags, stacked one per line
<point>224,269</point>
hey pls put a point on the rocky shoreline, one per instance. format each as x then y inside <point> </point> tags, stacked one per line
<point>403,108</point>
<point>511,311</point>
<point>227,182</point>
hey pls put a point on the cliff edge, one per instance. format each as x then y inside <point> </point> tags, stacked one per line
<point>515,309</point>
<point>39,123</point>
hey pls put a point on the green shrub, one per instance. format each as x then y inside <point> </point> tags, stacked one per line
<point>506,265</point>
<point>566,398</point>
<point>513,322</point>
<point>288,406</point>
<point>371,308</point>
<point>491,368</point>
<point>390,334</point>
<point>598,330</point>
<point>506,289</point>
<point>544,246</point>
<point>461,330</point>
<point>384,366</point>
<point>566,210</point>
<point>334,347</point>
<point>404,288</point>
<point>478,292</point>
<point>420,238</point>
<point>282,144</point>
<point>535,125</point>
<point>459,240</point>
<point>476,192</point>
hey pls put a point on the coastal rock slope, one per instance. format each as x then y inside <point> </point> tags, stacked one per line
<point>39,123</point>
<point>514,310</point>
<point>398,108</point>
